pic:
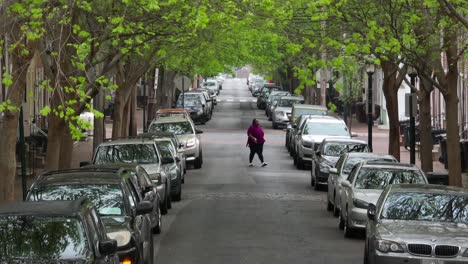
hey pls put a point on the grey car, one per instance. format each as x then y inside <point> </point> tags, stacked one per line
<point>340,172</point>
<point>142,151</point>
<point>170,161</point>
<point>364,186</point>
<point>272,98</point>
<point>281,110</point>
<point>328,154</point>
<point>418,224</point>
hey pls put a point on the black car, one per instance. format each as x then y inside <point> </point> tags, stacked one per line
<point>54,232</point>
<point>196,105</point>
<point>126,216</point>
<point>142,182</point>
<point>264,93</point>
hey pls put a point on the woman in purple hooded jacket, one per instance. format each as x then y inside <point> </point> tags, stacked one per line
<point>255,142</point>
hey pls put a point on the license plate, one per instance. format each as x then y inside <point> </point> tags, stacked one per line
<point>432,261</point>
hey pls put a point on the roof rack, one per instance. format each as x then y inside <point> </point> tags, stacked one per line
<point>82,169</point>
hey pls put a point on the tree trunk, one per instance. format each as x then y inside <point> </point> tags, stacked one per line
<point>391,84</point>
<point>169,89</point>
<point>99,127</point>
<point>124,129</point>
<point>9,128</point>
<point>453,136</point>
<point>66,149</point>
<point>425,127</point>
<point>133,113</point>
<point>54,143</point>
<point>151,95</point>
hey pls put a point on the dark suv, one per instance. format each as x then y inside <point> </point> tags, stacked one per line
<point>126,216</point>
<point>196,105</point>
<point>54,232</point>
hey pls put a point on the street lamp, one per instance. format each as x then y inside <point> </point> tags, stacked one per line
<point>370,69</point>
<point>412,134</point>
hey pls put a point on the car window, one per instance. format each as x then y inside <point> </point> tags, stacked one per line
<point>41,237</point>
<point>107,198</point>
<point>351,161</point>
<point>127,153</point>
<point>289,102</point>
<point>165,150</point>
<point>339,163</point>
<point>432,207</point>
<point>304,111</point>
<point>336,149</point>
<point>378,178</point>
<point>325,128</point>
<point>144,177</point>
<point>178,128</point>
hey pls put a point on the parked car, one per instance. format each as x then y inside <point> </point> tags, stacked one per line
<point>125,215</point>
<point>307,109</point>
<point>143,185</point>
<point>414,223</point>
<point>281,111</point>
<point>168,112</point>
<point>340,172</point>
<point>208,98</point>
<point>170,161</point>
<point>212,95</point>
<point>312,133</point>
<point>188,135</point>
<point>265,92</point>
<point>54,232</point>
<point>196,106</point>
<point>179,148</point>
<point>141,151</point>
<point>272,98</point>
<point>291,132</point>
<point>328,154</point>
<point>365,184</point>
<point>211,85</point>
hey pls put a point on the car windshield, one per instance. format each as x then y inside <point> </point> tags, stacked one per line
<point>351,162</point>
<point>289,102</point>
<point>127,153</point>
<point>299,112</point>
<point>433,207</point>
<point>178,128</point>
<point>189,100</point>
<point>209,84</point>
<point>336,149</point>
<point>325,128</point>
<point>107,198</point>
<point>178,114</point>
<point>166,149</point>
<point>43,237</point>
<point>378,178</point>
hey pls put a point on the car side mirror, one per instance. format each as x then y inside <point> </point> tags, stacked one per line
<point>333,171</point>
<point>144,207</point>
<point>346,184</point>
<point>198,131</point>
<point>354,134</point>
<point>177,159</point>
<point>371,211</point>
<point>203,105</point>
<point>84,163</point>
<point>181,145</point>
<point>318,153</point>
<point>108,247</point>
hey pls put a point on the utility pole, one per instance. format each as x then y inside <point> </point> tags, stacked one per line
<point>412,129</point>
<point>370,71</point>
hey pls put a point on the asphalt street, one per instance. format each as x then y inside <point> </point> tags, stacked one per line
<point>232,213</point>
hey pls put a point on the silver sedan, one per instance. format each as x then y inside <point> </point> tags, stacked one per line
<point>418,224</point>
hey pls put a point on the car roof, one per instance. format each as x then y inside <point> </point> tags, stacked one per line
<point>126,141</point>
<point>309,106</point>
<point>157,134</point>
<point>323,119</point>
<point>170,119</point>
<point>369,155</point>
<point>290,97</point>
<point>427,188</point>
<point>343,140</point>
<point>172,110</point>
<point>101,175</point>
<point>113,166</point>
<point>43,208</point>
<point>389,165</point>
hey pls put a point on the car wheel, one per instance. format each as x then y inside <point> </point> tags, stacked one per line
<point>157,229</point>
<point>340,221</point>
<point>149,256</point>
<point>178,196</point>
<point>348,232</point>
<point>336,210</point>
<point>300,163</point>
<point>198,163</point>
<point>312,183</point>
<point>275,126</point>
<point>366,254</point>
<point>164,204</point>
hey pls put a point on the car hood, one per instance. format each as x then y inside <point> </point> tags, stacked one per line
<point>152,168</point>
<point>370,196</point>
<point>116,223</point>
<point>331,159</point>
<point>185,137</point>
<point>284,109</point>
<point>423,232</point>
<point>318,138</point>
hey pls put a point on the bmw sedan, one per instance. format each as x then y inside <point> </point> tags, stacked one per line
<point>418,224</point>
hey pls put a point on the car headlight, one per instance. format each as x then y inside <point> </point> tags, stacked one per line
<point>465,254</point>
<point>360,203</point>
<point>307,144</point>
<point>122,237</point>
<point>191,143</point>
<point>386,246</point>
<point>281,113</point>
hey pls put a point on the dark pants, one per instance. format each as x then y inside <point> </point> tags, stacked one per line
<point>256,148</point>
